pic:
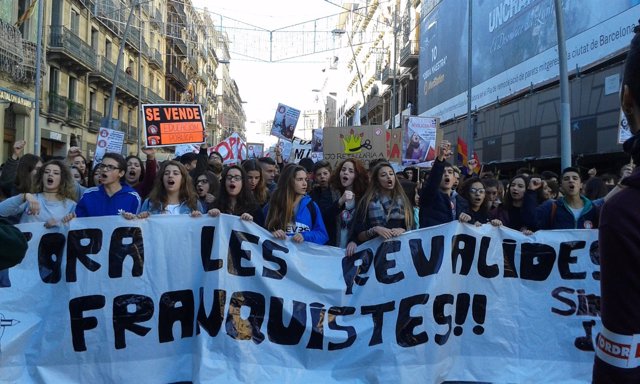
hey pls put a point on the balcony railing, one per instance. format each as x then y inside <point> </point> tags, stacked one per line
<point>76,112</point>
<point>154,98</point>
<point>29,63</point>
<point>388,75</point>
<point>157,20</point>
<point>155,59</point>
<point>409,54</point>
<point>58,105</point>
<point>133,37</point>
<point>67,42</point>
<point>177,75</point>
<point>175,34</point>
<point>94,121</point>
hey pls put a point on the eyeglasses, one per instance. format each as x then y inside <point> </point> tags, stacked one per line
<point>234,178</point>
<point>107,167</point>
<point>203,181</point>
<point>476,190</point>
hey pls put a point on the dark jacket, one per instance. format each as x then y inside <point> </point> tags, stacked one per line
<point>436,207</point>
<point>327,201</point>
<point>14,245</point>
<point>619,246</point>
<point>556,214</point>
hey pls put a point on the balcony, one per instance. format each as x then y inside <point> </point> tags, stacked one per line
<point>29,63</point>
<point>155,59</point>
<point>94,121</point>
<point>133,38</point>
<point>157,20</point>
<point>75,113</point>
<point>127,86</point>
<point>388,76</point>
<point>144,49</point>
<point>177,76</point>
<point>178,5</point>
<point>409,54</point>
<point>154,98</point>
<point>175,35</point>
<point>57,106</point>
<point>69,50</point>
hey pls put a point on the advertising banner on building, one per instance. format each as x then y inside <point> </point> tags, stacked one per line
<point>173,124</point>
<point>179,299</point>
<point>514,45</point>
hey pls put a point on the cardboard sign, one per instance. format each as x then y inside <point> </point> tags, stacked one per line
<point>421,135</point>
<point>173,124</point>
<point>285,121</point>
<point>255,150</point>
<point>233,149</point>
<point>394,145</point>
<point>366,142</point>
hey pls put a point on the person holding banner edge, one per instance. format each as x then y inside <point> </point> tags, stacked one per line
<point>289,212</point>
<point>173,193</point>
<point>113,196</point>
<point>617,344</point>
<point>384,210</point>
<point>235,197</point>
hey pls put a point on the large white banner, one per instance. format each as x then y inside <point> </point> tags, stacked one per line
<point>174,298</point>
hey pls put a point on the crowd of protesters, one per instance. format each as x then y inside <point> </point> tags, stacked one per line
<point>342,206</point>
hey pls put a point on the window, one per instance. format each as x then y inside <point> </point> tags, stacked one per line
<point>75,22</point>
<point>107,49</point>
<point>105,105</point>
<point>54,77</point>
<point>92,101</point>
<point>73,86</point>
<point>94,38</point>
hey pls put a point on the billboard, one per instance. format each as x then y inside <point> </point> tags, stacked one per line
<point>514,46</point>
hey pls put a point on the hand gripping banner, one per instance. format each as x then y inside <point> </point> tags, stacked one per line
<point>175,298</point>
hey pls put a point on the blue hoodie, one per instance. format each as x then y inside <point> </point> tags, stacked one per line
<point>314,232</point>
<point>544,217</point>
<point>96,202</point>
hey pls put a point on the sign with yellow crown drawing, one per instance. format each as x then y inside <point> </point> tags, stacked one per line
<point>365,143</point>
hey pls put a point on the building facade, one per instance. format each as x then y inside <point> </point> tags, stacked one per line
<point>168,57</point>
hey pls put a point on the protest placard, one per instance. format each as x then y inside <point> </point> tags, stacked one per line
<point>109,140</point>
<point>420,140</point>
<point>255,150</point>
<point>366,142</point>
<point>284,122</point>
<point>172,124</point>
<point>232,149</point>
<point>299,150</point>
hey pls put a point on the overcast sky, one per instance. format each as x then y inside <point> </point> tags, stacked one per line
<point>264,85</point>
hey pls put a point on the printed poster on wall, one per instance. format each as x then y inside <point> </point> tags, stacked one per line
<point>420,138</point>
<point>173,124</point>
<point>365,142</point>
<point>284,122</point>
